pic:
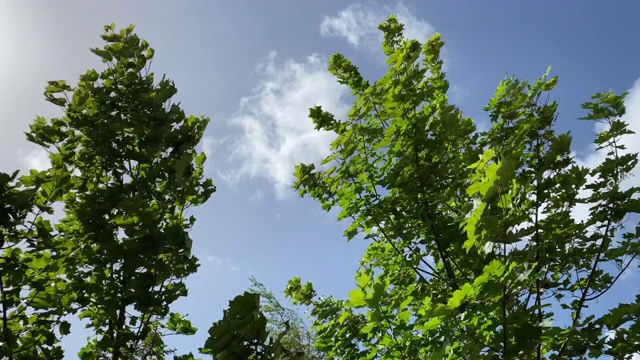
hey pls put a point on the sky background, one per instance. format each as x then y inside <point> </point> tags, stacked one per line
<point>255,68</point>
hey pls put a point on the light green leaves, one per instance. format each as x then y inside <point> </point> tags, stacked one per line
<point>357,298</point>
<point>461,295</point>
<point>472,235</point>
<point>54,87</point>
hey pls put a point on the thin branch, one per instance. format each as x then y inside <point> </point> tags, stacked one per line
<point>624,268</point>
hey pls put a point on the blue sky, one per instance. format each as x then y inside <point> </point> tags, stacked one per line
<point>255,67</point>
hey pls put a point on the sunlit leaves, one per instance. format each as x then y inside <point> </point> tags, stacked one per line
<point>472,235</point>
<point>357,298</point>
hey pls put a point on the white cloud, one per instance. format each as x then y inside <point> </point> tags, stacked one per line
<point>37,159</point>
<point>358,24</point>
<point>214,260</point>
<point>276,132</point>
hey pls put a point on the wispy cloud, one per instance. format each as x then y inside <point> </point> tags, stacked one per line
<point>358,24</point>
<point>214,260</point>
<point>275,130</point>
<point>227,262</point>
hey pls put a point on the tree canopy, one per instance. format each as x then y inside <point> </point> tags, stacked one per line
<point>125,168</point>
<point>476,248</point>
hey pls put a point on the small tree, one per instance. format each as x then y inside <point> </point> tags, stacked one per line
<point>296,336</point>
<point>474,246</point>
<point>243,333</point>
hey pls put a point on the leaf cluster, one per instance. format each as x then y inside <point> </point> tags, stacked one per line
<point>475,247</point>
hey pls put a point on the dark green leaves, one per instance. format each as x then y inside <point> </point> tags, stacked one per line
<point>178,324</point>
<point>242,333</point>
<point>127,165</point>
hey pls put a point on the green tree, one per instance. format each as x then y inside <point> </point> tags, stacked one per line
<point>125,158</point>
<point>242,333</point>
<point>297,337</point>
<point>474,250</point>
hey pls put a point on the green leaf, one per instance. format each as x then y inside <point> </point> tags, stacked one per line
<point>356,298</point>
<point>65,328</point>
<point>430,324</point>
<point>460,296</point>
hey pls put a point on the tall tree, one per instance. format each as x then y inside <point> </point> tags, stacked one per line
<point>128,157</point>
<point>475,252</point>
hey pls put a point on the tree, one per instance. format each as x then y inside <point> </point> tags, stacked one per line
<point>257,326</point>
<point>125,158</point>
<point>242,333</point>
<point>297,337</point>
<point>474,247</point>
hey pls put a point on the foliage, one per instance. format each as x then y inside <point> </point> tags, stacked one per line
<point>475,248</point>
<point>242,334</point>
<point>30,275</point>
<point>296,336</point>
<point>125,168</point>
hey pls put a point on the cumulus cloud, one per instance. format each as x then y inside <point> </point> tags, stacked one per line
<point>276,132</point>
<point>358,24</point>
